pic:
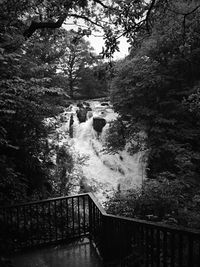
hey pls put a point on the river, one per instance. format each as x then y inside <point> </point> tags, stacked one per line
<point>102,173</point>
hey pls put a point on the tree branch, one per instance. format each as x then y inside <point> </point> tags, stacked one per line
<point>85,18</point>
<point>102,4</point>
<point>148,14</point>
<point>41,25</point>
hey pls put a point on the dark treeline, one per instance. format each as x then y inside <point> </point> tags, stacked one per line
<point>156,91</point>
<point>37,77</point>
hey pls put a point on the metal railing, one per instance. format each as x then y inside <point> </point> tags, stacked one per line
<point>121,241</point>
<point>45,222</point>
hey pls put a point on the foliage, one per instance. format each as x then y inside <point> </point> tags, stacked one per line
<point>22,140</point>
<point>77,54</point>
<point>94,81</point>
<point>25,80</point>
<point>150,87</point>
<point>115,139</point>
<point>171,202</point>
<point>132,19</point>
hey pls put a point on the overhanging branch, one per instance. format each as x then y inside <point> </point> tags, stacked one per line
<point>86,19</point>
<point>149,13</point>
<point>102,4</point>
<point>42,25</point>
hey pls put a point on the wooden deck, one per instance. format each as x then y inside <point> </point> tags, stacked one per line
<point>77,254</point>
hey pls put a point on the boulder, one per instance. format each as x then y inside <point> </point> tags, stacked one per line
<point>98,124</point>
<point>89,114</point>
<point>79,105</point>
<point>86,104</point>
<point>104,104</point>
<point>81,114</point>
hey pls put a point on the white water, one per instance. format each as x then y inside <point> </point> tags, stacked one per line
<point>104,173</point>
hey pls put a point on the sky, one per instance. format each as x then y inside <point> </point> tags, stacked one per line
<point>97,42</point>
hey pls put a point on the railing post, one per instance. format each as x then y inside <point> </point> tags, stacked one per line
<point>90,217</point>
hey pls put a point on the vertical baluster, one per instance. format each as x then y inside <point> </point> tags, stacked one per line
<point>158,254</point>
<point>165,249</point>
<point>37,224</point>
<point>17,221</point>
<point>67,218</point>
<point>98,219</point>
<point>190,251</point>
<point>79,222</point>
<point>73,232</point>
<point>61,219</point>
<point>90,216</point>
<point>198,255</point>
<point>31,226</point>
<point>146,246</point>
<point>141,246</point>
<point>24,230</point>
<point>84,214</point>
<point>94,218</point>
<point>55,221</point>
<point>152,247</point>
<point>180,250</point>
<point>11,225</point>
<point>49,220</point>
<point>172,248</point>
<point>43,224</point>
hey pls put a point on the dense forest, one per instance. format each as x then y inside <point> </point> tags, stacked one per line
<point>155,90</point>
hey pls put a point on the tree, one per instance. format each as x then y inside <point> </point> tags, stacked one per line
<point>115,18</point>
<point>150,87</point>
<point>94,81</point>
<point>77,55</point>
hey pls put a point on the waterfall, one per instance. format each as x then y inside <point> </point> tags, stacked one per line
<point>103,173</point>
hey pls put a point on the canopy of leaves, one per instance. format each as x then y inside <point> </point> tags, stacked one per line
<point>170,202</point>
<point>157,86</point>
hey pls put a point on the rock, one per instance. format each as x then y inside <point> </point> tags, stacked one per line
<point>80,105</point>
<point>111,166</point>
<point>88,108</point>
<point>71,121</point>
<point>89,114</point>
<point>104,104</point>
<point>98,124</point>
<point>81,114</point>
<point>120,170</point>
<point>86,104</point>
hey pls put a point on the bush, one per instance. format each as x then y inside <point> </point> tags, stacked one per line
<point>170,202</point>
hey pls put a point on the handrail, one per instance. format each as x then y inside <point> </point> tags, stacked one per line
<point>126,240</point>
<point>103,212</point>
<point>162,226</point>
<point>42,201</point>
<point>98,205</point>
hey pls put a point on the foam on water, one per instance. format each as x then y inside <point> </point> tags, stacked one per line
<point>105,173</point>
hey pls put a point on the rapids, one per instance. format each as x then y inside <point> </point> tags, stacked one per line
<point>103,173</point>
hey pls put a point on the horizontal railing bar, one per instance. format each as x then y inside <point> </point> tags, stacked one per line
<point>98,205</point>
<point>42,201</point>
<point>159,226</point>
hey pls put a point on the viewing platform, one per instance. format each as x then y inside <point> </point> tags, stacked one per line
<point>75,254</point>
<point>76,231</point>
